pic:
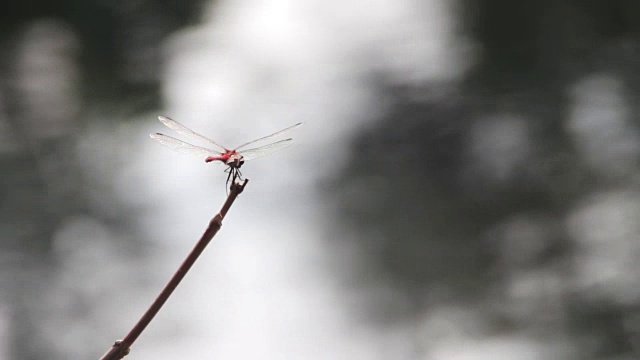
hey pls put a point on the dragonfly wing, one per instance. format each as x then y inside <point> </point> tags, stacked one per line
<point>183,130</point>
<point>261,151</point>
<point>277,133</point>
<point>183,147</point>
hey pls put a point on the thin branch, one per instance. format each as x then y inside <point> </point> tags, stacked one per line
<point>122,347</point>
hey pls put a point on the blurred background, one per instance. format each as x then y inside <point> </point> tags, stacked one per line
<point>465,185</point>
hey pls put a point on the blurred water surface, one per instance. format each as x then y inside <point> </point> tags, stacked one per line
<point>464,186</point>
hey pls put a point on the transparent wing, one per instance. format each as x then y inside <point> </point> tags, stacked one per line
<point>183,147</point>
<point>270,136</point>
<point>261,151</point>
<point>183,130</point>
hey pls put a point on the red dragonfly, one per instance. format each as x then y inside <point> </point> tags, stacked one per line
<point>232,158</point>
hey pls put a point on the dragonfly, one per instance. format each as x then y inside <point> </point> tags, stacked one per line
<point>233,158</point>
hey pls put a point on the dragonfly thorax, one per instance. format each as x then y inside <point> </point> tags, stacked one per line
<point>235,161</point>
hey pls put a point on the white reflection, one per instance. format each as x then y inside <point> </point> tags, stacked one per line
<point>47,78</point>
<point>499,149</point>
<point>606,232</point>
<point>458,333</point>
<point>599,123</point>
<point>263,289</point>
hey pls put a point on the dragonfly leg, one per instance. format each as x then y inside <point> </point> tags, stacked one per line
<point>230,171</point>
<point>234,175</point>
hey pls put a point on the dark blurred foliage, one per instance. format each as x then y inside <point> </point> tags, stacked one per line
<point>61,61</point>
<point>445,218</point>
<point>120,40</point>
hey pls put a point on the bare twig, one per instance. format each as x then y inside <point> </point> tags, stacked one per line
<point>122,347</point>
